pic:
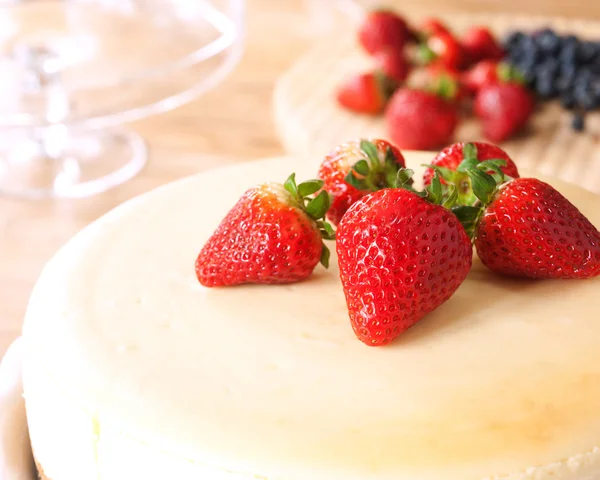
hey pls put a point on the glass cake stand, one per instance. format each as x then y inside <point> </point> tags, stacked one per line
<point>72,72</point>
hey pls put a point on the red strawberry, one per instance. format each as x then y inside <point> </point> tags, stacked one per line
<point>383,30</point>
<point>478,44</point>
<point>447,82</point>
<point>394,65</point>
<point>504,108</point>
<point>420,120</point>
<point>400,257</point>
<point>431,26</point>
<point>481,74</point>
<point>272,235</point>
<point>444,48</point>
<point>366,93</point>
<point>528,229</point>
<point>453,156</point>
<point>378,162</point>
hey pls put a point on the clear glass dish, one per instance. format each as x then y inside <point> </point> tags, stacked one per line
<point>73,72</point>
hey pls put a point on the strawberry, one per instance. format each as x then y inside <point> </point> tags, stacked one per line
<point>478,43</point>
<point>431,26</point>
<point>366,93</point>
<point>526,228</point>
<point>479,75</point>
<point>529,229</point>
<point>441,47</point>
<point>449,163</point>
<point>383,30</point>
<point>400,257</point>
<point>504,108</point>
<point>394,65</point>
<point>420,120</point>
<point>354,169</point>
<point>272,235</point>
<point>446,81</point>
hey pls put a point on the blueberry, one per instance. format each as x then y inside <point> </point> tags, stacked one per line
<point>546,87</point>
<point>513,40</point>
<point>586,52</point>
<point>568,51</point>
<point>548,41</point>
<point>583,78</point>
<point>578,122</point>
<point>567,69</point>
<point>585,95</point>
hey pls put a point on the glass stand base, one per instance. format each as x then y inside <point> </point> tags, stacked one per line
<point>62,163</point>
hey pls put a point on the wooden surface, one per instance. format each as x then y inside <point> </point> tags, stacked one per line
<point>233,123</point>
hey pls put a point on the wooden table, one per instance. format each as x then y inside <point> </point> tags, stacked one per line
<point>216,129</point>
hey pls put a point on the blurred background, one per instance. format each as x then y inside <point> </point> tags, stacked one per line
<point>103,100</point>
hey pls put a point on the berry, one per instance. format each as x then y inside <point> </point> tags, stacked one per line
<point>400,257</point>
<point>504,108</point>
<point>383,30</point>
<point>272,235</point>
<point>420,120</point>
<point>548,41</point>
<point>394,65</point>
<point>444,48</point>
<point>431,26</point>
<point>355,168</point>
<point>479,43</point>
<point>366,93</point>
<point>529,229</point>
<point>482,73</point>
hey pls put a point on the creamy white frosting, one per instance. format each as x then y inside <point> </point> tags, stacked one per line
<point>133,370</point>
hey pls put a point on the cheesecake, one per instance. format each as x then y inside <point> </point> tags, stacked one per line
<point>133,370</point>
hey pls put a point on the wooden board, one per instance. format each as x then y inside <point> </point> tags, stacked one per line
<point>310,123</point>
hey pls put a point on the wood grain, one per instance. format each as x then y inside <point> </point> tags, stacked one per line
<point>233,123</point>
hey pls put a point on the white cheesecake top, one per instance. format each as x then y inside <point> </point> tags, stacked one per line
<point>501,382</point>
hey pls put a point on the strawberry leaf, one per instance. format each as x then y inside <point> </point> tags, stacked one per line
<point>390,158</point>
<point>290,185</point>
<point>469,151</point>
<point>361,167</point>
<point>447,175</point>
<point>468,217</point>
<point>403,177</point>
<point>325,256</point>
<point>318,206</point>
<point>494,167</point>
<point>483,185</point>
<point>309,187</point>
<point>451,197</point>
<point>496,161</point>
<point>370,151</point>
<point>327,231</point>
<point>466,164</point>
<point>434,190</point>
<point>357,183</point>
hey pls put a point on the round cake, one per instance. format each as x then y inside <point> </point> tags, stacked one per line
<point>133,370</point>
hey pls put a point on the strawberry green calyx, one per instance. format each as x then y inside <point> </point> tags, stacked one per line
<point>473,180</point>
<point>434,192</point>
<point>510,74</point>
<point>425,55</point>
<point>310,197</point>
<point>373,172</point>
<point>444,86</point>
<point>485,186</point>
